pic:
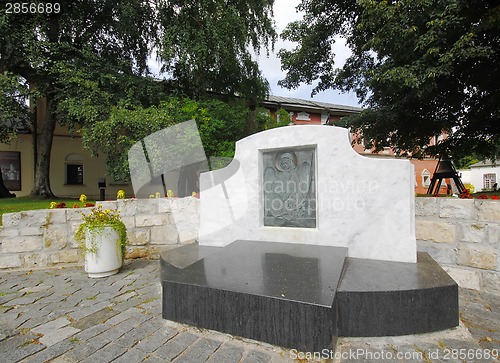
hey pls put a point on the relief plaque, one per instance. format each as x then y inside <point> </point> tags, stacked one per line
<point>289,192</point>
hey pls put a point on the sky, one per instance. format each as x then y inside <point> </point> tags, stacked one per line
<point>284,13</point>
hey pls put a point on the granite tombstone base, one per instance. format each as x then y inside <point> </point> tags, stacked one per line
<point>304,296</point>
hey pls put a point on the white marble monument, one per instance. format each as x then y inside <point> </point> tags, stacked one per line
<point>305,184</point>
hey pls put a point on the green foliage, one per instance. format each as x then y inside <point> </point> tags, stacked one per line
<point>419,67</point>
<point>206,45</point>
<point>465,162</point>
<point>90,61</point>
<point>265,120</point>
<point>220,125</point>
<point>94,224</point>
<point>13,108</point>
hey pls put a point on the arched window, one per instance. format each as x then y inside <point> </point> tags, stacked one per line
<point>426,178</point>
<point>74,169</point>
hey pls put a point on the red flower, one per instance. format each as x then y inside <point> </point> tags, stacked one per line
<point>89,205</point>
<point>61,205</point>
<point>466,194</point>
<point>75,205</point>
<point>495,197</point>
<point>482,196</point>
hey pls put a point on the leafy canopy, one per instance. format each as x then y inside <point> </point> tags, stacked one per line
<point>220,125</point>
<point>91,59</point>
<point>206,45</point>
<point>420,67</point>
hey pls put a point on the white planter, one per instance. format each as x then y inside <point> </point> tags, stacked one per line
<point>107,258</point>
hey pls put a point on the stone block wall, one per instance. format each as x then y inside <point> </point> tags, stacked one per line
<point>463,235</point>
<point>45,238</point>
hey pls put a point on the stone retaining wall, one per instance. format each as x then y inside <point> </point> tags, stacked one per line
<point>462,235</point>
<point>44,238</point>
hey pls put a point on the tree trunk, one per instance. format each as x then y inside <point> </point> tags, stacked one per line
<point>4,192</point>
<point>41,186</point>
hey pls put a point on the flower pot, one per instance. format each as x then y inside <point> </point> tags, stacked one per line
<point>103,256</point>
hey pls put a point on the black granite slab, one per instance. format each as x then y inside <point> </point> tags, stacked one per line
<point>279,293</point>
<point>304,296</point>
<point>173,261</point>
<point>380,298</point>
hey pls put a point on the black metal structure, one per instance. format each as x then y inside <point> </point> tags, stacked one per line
<point>444,170</point>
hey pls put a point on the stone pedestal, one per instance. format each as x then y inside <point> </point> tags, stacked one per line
<point>303,297</point>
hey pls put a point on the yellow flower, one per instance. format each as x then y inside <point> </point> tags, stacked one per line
<point>120,194</point>
<point>158,194</point>
<point>53,205</point>
<point>107,211</point>
<point>151,196</point>
<point>170,193</point>
<point>83,198</point>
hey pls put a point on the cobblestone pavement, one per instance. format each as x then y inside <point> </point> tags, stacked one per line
<point>60,315</point>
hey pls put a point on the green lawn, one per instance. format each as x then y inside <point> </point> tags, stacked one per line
<point>9,205</point>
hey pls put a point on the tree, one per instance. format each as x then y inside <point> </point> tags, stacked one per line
<point>50,50</point>
<point>206,45</point>
<point>13,114</point>
<point>92,55</point>
<point>419,67</point>
<point>220,125</point>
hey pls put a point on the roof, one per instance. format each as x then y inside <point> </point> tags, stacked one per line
<point>309,104</point>
<point>485,163</point>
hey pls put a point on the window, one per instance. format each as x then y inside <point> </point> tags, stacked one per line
<point>74,169</point>
<point>489,180</point>
<point>303,116</point>
<point>426,178</point>
<point>74,174</point>
<point>10,167</point>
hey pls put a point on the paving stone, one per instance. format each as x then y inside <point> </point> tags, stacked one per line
<point>227,353</point>
<point>154,359</point>
<point>257,357</point>
<point>106,354</point>
<point>91,332</point>
<point>58,335</point>
<point>50,353</point>
<point>85,348</point>
<point>115,332</point>
<point>86,311</point>
<point>38,288</point>
<point>198,352</point>
<point>123,316</point>
<point>132,355</point>
<point>134,336</point>
<point>25,300</point>
<point>174,347</point>
<point>6,332</point>
<point>95,319</point>
<point>51,326</point>
<point>154,341</point>
<point>18,347</point>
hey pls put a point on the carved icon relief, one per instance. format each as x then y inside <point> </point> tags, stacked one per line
<point>289,190</point>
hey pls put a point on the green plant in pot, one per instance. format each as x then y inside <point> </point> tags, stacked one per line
<point>103,239</point>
